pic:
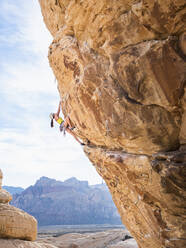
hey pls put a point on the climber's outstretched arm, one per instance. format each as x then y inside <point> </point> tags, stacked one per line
<point>58,111</point>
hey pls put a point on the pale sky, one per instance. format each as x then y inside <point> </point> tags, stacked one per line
<point>29,148</point>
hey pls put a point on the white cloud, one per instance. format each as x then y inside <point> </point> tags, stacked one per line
<point>30,29</point>
<point>28,77</point>
<point>29,148</point>
<point>42,151</point>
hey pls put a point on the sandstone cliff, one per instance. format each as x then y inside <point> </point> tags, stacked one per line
<point>71,202</point>
<point>121,76</point>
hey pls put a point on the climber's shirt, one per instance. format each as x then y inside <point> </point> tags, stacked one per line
<point>60,120</point>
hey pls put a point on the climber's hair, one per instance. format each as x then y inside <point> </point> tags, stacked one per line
<point>52,119</point>
<point>52,123</point>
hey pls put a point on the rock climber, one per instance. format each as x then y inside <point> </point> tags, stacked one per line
<point>64,125</point>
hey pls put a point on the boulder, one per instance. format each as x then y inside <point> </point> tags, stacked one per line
<point>15,223</point>
<point>5,196</point>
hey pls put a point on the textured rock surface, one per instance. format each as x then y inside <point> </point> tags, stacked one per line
<point>15,223</point>
<point>149,192</point>
<point>120,67</point>
<point>5,196</point>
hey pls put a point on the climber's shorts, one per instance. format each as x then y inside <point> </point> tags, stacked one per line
<point>61,127</point>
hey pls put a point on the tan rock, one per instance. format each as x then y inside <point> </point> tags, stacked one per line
<point>183,122</point>
<point>1,178</point>
<point>128,103</point>
<point>119,90</point>
<point>5,196</point>
<point>114,24</point>
<point>182,42</point>
<point>15,223</point>
<point>121,69</point>
<point>148,192</point>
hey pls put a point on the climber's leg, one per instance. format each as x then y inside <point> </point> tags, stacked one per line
<point>69,131</point>
<point>67,123</point>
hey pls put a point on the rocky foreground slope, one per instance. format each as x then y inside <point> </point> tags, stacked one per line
<point>120,67</point>
<point>71,202</point>
<point>115,238</point>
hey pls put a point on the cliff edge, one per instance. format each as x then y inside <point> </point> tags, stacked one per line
<point>120,67</point>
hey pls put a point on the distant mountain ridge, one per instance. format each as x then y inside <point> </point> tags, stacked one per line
<point>70,202</point>
<point>13,190</point>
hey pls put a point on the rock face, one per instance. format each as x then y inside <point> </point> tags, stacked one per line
<point>149,192</point>
<point>14,223</point>
<point>120,67</point>
<point>71,202</point>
